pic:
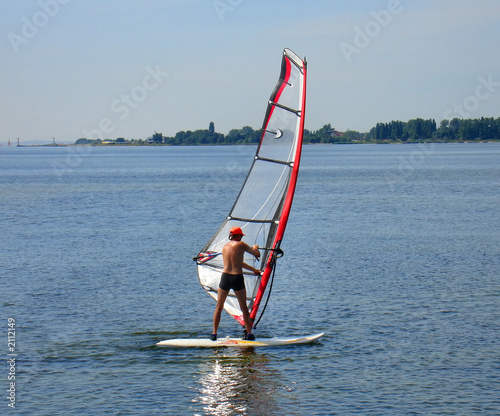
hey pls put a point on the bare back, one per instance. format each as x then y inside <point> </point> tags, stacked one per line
<point>232,254</point>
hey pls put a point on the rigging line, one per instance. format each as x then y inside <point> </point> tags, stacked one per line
<point>268,296</point>
<point>278,253</point>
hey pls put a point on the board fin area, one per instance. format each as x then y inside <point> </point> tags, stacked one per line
<point>237,342</point>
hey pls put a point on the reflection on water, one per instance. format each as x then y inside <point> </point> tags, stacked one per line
<point>238,382</point>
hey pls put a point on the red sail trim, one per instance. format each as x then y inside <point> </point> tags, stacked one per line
<point>288,201</point>
<point>285,76</point>
<point>239,319</point>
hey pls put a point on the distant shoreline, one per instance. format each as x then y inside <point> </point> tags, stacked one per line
<point>479,130</point>
<point>249,144</point>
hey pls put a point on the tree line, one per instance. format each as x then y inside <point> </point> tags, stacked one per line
<point>484,128</point>
<point>415,130</point>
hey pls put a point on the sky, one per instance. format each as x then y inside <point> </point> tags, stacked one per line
<point>129,68</point>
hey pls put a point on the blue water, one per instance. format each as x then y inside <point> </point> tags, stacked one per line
<point>392,250</point>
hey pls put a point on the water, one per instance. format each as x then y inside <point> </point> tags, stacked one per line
<point>392,250</point>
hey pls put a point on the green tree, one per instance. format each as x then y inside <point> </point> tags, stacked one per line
<point>352,136</point>
<point>158,137</point>
<point>455,126</point>
<point>466,131</point>
<point>83,141</point>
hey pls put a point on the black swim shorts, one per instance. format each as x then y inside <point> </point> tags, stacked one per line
<point>232,281</point>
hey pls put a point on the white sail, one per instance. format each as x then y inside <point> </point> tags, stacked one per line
<point>263,204</point>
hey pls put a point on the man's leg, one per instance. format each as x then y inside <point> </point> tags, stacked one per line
<point>221,298</point>
<point>241,295</point>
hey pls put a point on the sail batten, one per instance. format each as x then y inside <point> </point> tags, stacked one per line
<point>284,107</point>
<point>283,162</point>
<point>254,220</point>
<point>263,204</point>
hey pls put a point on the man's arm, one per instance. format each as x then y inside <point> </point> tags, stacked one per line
<point>254,250</point>
<point>252,269</point>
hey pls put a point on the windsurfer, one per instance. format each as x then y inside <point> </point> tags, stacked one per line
<point>232,278</point>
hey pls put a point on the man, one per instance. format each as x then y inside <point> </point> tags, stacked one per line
<point>232,278</point>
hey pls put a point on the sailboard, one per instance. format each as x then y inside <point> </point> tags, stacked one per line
<point>263,205</point>
<point>238,342</point>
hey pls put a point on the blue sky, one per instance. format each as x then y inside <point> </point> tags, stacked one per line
<point>127,68</point>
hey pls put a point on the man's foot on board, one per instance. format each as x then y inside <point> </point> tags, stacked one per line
<point>249,337</point>
<point>213,337</point>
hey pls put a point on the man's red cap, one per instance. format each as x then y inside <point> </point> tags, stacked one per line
<point>236,231</point>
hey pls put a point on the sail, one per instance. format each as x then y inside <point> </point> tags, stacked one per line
<point>263,205</point>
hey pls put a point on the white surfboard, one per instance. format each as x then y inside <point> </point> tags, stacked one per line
<point>237,342</point>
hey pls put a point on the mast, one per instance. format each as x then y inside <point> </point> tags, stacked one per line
<point>271,263</point>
